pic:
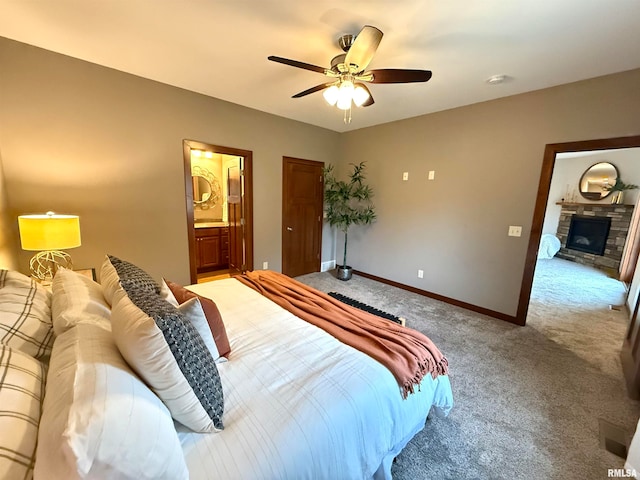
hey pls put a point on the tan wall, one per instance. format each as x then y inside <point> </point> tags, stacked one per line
<point>8,229</point>
<point>83,139</point>
<point>80,138</point>
<point>487,159</point>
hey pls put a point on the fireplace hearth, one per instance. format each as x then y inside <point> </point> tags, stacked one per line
<point>588,234</point>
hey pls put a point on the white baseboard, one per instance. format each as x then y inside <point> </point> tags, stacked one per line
<point>326,266</point>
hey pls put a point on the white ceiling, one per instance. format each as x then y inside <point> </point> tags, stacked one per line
<point>220,48</point>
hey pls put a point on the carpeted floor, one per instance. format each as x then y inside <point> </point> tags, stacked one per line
<point>528,399</point>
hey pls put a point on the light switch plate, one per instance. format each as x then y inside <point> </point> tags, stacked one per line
<point>432,174</point>
<point>405,176</point>
<point>515,231</point>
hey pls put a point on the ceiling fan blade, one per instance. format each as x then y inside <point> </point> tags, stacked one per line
<point>364,48</point>
<point>315,89</point>
<point>398,75</point>
<point>295,63</point>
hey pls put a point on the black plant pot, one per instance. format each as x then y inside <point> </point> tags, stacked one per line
<point>344,272</point>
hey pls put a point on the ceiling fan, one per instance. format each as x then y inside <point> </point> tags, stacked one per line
<point>348,71</point>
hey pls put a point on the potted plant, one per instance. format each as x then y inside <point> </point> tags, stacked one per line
<point>618,190</point>
<point>347,203</point>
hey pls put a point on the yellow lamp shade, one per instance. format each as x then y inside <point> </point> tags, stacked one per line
<point>49,231</point>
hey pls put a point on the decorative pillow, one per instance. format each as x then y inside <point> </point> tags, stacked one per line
<point>212,313</point>
<point>116,272</point>
<point>192,311</point>
<point>21,392</point>
<point>77,299</point>
<point>25,314</point>
<point>167,294</point>
<point>109,280</point>
<point>99,419</point>
<point>169,354</point>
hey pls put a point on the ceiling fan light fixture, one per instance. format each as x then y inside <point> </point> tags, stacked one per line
<point>331,94</point>
<point>360,95</point>
<point>345,94</point>
<point>348,73</point>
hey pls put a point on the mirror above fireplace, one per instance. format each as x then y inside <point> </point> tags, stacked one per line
<point>595,178</point>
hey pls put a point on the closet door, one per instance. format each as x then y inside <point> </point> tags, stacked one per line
<point>302,198</point>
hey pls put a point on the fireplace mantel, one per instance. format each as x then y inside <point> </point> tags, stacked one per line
<point>594,204</point>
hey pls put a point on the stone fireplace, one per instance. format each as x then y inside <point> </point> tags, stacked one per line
<point>593,233</point>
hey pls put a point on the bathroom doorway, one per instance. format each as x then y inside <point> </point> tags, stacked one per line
<point>219,201</point>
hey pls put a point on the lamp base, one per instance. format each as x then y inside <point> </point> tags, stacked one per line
<point>44,265</point>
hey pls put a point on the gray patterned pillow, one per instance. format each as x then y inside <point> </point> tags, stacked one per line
<point>133,276</point>
<point>194,362</point>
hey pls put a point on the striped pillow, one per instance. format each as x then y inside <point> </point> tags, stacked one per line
<point>76,299</point>
<point>99,420</point>
<point>21,391</point>
<point>25,314</point>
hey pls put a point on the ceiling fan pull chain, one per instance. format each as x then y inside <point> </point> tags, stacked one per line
<point>347,115</point>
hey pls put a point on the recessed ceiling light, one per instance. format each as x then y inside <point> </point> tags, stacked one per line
<point>496,79</point>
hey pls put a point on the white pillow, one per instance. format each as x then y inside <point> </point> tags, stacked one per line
<point>192,310</point>
<point>99,419</point>
<point>167,294</point>
<point>21,393</point>
<point>109,280</point>
<point>195,314</point>
<point>172,360</point>
<point>76,298</point>
<point>25,314</point>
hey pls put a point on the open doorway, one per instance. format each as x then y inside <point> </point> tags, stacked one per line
<point>577,297</point>
<point>219,201</point>
<point>549,160</point>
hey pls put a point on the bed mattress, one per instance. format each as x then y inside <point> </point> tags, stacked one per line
<point>299,403</point>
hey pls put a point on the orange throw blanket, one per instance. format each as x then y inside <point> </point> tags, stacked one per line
<point>407,353</point>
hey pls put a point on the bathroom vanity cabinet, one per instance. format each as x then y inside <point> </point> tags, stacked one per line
<point>212,248</point>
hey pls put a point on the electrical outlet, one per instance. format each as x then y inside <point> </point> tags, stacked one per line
<point>405,176</point>
<point>432,174</point>
<point>515,231</point>
<point>420,273</point>
<point>265,265</point>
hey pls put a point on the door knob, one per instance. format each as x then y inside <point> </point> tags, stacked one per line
<point>290,229</point>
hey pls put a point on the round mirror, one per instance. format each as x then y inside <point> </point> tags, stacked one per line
<point>596,178</point>
<point>201,189</point>
<point>206,188</point>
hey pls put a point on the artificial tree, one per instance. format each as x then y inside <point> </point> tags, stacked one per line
<point>347,203</point>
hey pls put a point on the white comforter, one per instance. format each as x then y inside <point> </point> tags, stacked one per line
<point>299,403</point>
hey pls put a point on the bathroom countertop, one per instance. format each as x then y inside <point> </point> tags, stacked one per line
<point>210,224</point>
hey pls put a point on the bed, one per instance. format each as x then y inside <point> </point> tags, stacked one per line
<point>298,403</point>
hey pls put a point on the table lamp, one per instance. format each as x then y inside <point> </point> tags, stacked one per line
<point>48,234</point>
